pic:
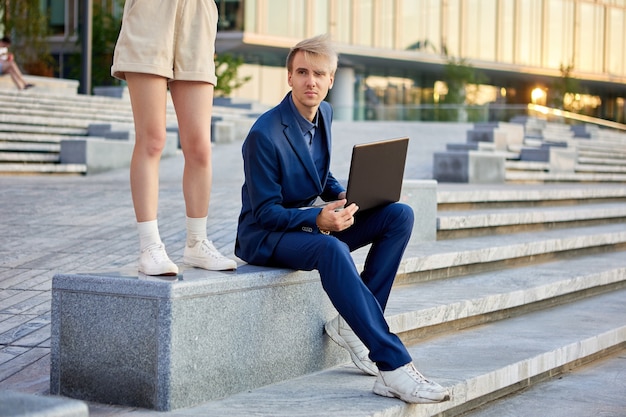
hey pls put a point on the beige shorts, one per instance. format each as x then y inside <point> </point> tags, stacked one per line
<point>171,38</point>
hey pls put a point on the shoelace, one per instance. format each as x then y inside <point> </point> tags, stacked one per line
<point>416,375</point>
<point>209,249</point>
<point>157,252</point>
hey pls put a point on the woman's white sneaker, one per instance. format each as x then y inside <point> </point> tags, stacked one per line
<point>153,260</point>
<point>408,384</point>
<point>204,255</point>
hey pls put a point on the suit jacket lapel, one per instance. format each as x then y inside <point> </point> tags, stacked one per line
<point>294,136</point>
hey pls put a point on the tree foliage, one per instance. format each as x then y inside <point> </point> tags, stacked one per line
<point>228,79</point>
<point>566,84</point>
<point>27,24</point>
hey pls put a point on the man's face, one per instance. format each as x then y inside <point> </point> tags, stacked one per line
<point>310,80</point>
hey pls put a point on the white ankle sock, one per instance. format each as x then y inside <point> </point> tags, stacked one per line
<point>196,230</point>
<point>148,233</point>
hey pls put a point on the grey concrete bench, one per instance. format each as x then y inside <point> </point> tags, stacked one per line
<point>124,338</point>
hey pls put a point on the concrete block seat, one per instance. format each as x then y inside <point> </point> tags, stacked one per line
<point>204,336</point>
<point>474,167</point>
<point>141,341</point>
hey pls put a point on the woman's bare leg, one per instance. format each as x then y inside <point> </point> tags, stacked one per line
<point>148,95</point>
<point>193,102</point>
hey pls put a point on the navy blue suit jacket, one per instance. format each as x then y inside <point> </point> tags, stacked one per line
<point>281,182</point>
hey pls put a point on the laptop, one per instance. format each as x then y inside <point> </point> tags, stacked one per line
<point>376,173</point>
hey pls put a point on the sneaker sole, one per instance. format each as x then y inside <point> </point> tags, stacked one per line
<point>198,264</point>
<point>159,274</point>
<point>386,391</point>
<point>335,337</point>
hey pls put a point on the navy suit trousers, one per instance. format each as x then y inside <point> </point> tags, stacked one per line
<point>359,298</point>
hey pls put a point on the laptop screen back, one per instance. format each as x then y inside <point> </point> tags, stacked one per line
<point>376,173</point>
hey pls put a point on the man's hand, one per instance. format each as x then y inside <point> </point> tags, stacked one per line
<point>335,218</point>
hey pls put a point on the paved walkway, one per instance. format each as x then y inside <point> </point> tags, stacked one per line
<point>54,224</point>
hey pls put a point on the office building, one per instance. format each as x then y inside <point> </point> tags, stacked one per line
<point>393,53</point>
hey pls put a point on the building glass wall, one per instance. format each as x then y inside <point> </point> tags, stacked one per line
<point>525,36</point>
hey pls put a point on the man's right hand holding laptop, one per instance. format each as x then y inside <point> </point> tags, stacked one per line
<point>334,217</point>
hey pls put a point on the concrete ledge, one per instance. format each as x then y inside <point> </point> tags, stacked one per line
<point>59,85</point>
<point>17,404</point>
<point>421,195</point>
<point>100,154</point>
<point>166,345</point>
<point>473,167</point>
<point>222,131</point>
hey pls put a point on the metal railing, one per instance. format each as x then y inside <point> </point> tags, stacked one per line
<point>467,114</point>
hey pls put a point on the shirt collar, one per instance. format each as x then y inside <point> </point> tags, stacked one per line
<point>305,125</point>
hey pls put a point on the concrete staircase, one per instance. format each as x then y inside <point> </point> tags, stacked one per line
<point>35,126</point>
<point>597,155</point>
<point>523,283</point>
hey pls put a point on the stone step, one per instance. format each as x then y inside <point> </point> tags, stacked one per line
<point>35,128</point>
<point>16,138</point>
<point>589,390</point>
<point>55,111</point>
<point>539,177</point>
<point>588,167</point>
<point>29,157</point>
<point>426,261</point>
<point>47,120</point>
<point>453,197</point>
<point>476,364</point>
<point>29,147</point>
<point>605,160</point>
<point>454,224</point>
<point>527,165</point>
<point>414,311</point>
<point>42,168</point>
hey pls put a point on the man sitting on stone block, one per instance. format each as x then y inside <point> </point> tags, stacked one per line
<point>286,163</point>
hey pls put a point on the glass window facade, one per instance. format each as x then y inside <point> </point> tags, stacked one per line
<point>589,38</point>
<point>538,33</point>
<point>616,43</point>
<point>543,36</point>
<point>559,50</point>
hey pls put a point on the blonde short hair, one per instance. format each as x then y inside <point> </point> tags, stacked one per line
<point>317,46</point>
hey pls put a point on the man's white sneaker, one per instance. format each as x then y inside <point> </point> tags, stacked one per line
<point>154,261</point>
<point>408,384</point>
<point>204,255</point>
<point>344,336</point>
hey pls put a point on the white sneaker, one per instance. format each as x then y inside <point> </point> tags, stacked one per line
<point>154,261</point>
<point>204,255</point>
<point>344,336</point>
<point>409,385</point>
